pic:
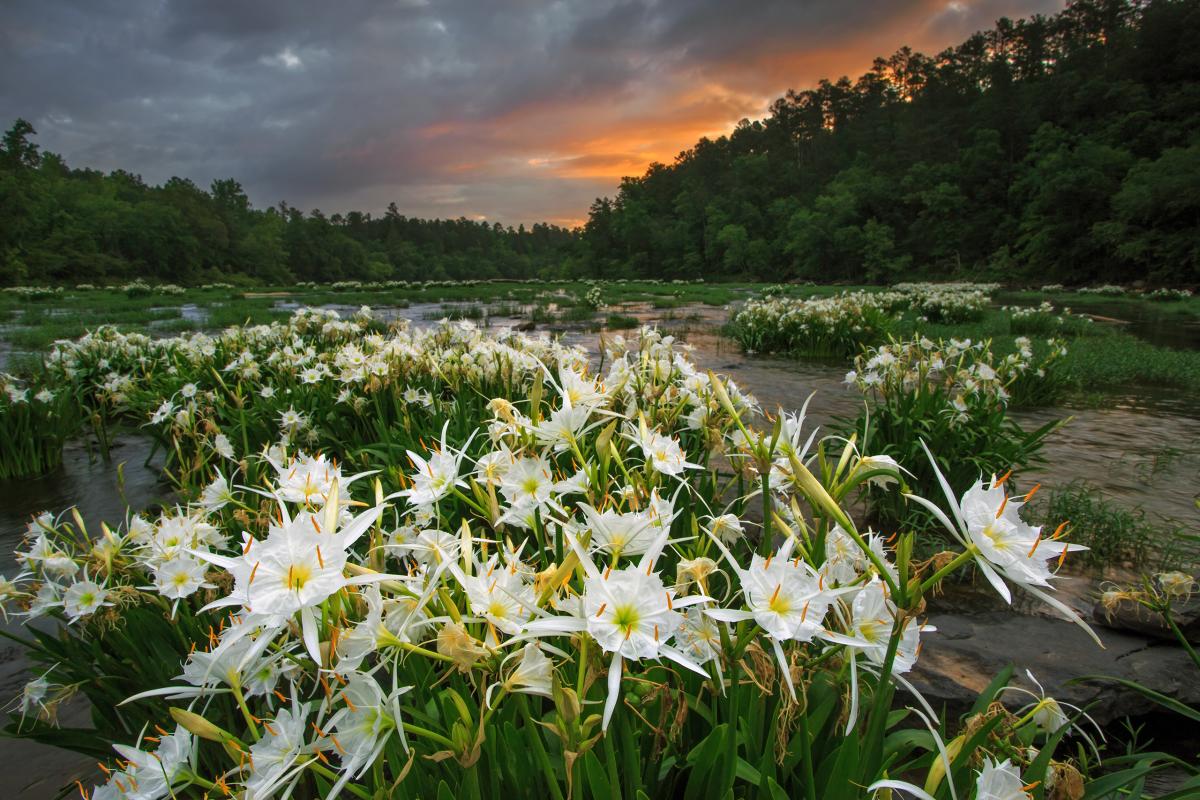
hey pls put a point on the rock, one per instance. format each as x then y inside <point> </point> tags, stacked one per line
<point>1131,616</point>
<point>526,326</point>
<point>968,650</point>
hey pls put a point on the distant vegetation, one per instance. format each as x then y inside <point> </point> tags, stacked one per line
<point>62,225</point>
<point>1059,148</point>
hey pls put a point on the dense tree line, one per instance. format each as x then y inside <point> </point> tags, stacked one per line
<point>63,225</point>
<point>1055,149</point>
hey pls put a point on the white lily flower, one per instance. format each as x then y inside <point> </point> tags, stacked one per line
<point>987,523</point>
<point>629,613</point>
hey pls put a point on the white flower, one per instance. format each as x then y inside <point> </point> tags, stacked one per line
<point>664,453</point>
<point>727,528</point>
<point>999,782</point>
<point>360,729</point>
<point>222,446</point>
<point>84,597</point>
<point>148,776</point>
<point>295,569</point>
<point>499,594</point>
<point>436,477</point>
<point>216,495</point>
<point>986,522</point>
<point>527,482</point>
<point>308,480</point>
<point>179,577</point>
<point>629,613</point>
<point>872,621</point>
<point>629,533</point>
<point>533,675</point>
<point>273,758</point>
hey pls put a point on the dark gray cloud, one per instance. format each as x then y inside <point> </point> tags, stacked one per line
<point>510,109</point>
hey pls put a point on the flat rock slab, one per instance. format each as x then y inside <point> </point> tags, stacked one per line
<point>968,650</point>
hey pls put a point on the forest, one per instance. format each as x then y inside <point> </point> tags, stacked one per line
<point>1062,148</point>
<point>63,225</point>
<point>1048,149</point>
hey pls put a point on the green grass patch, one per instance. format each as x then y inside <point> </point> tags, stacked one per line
<point>1114,533</point>
<point>618,322</point>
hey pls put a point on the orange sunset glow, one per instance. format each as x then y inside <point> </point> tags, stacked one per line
<point>514,115</point>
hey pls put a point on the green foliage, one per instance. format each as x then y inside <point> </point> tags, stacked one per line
<point>1121,359</point>
<point>1114,533</point>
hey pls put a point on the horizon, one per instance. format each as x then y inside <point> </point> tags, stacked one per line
<point>436,107</point>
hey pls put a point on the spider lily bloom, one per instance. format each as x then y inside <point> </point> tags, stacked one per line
<point>237,660</point>
<point>436,477</point>
<point>360,729</point>
<point>533,673</point>
<point>83,598</point>
<point>661,452</point>
<point>216,495</point>
<point>148,776</point>
<point>727,527</point>
<point>845,561</point>
<point>786,597</point>
<point>886,467</point>
<point>629,613</point>
<point>275,759</point>
<point>1049,717</point>
<point>564,425</point>
<point>527,482</point>
<point>498,593</point>
<point>1000,782</point>
<point>180,577</point>
<point>870,626</point>
<point>579,390</point>
<point>1002,544</point>
<point>295,569</point>
<point>630,533</point>
<point>872,621</point>
<point>307,480</point>
<point>9,591</point>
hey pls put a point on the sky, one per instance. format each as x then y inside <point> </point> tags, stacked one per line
<point>506,110</point>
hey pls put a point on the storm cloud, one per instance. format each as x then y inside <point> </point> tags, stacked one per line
<point>511,110</point>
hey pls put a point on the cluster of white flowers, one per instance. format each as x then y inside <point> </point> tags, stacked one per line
<point>1107,289</point>
<point>572,512</point>
<point>947,302</point>
<point>1167,294</point>
<point>834,324</point>
<point>966,372</point>
<point>34,292</point>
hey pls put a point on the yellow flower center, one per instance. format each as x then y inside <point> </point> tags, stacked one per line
<point>626,618</point>
<point>297,576</point>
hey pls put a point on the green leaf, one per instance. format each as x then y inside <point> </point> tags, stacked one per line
<point>777,792</point>
<point>1164,701</point>
<point>598,784</point>
<point>989,694</point>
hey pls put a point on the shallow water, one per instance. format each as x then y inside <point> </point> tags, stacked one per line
<point>1140,448</point>
<point>1144,320</point>
<point>90,483</point>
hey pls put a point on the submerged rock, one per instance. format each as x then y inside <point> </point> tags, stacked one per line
<point>968,650</point>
